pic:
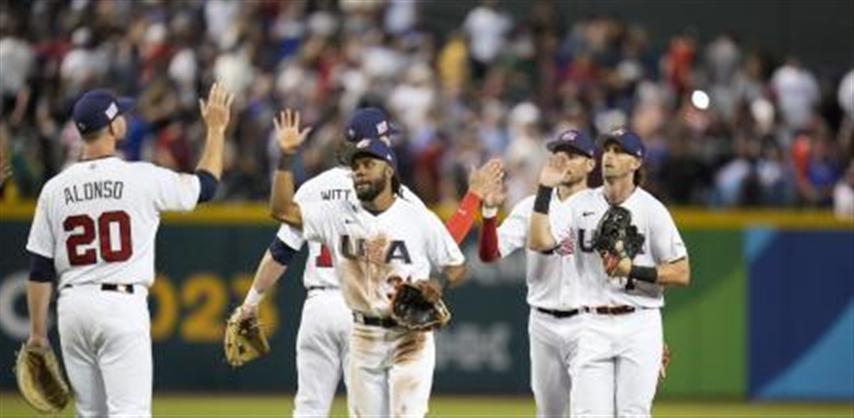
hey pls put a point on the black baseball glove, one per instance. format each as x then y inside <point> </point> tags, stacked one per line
<point>616,238</point>
<point>418,306</point>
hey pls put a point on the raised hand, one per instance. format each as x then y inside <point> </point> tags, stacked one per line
<point>484,179</point>
<point>553,172</point>
<point>217,110</point>
<point>288,133</point>
<point>495,197</point>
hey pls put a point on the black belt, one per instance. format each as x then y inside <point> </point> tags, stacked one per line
<point>374,321</point>
<point>601,310</point>
<point>113,287</point>
<point>310,288</point>
<point>110,287</point>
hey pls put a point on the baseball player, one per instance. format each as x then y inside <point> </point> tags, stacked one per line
<point>93,234</point>
<point>615,354</point>
<point>550,290</point>
<point>373,243</point>
<point>324,330</point>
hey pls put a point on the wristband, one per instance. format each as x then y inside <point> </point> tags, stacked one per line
<point>644,274</point>
<point>489,212</point>
<point>544,197</point>
<point>253,298</point>
<point>285,161</point>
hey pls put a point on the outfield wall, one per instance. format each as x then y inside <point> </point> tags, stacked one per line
<point>770,313</point>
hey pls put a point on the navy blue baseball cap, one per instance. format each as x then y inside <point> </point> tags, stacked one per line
<point>368,122</point>
<point>97,108</point>
<point>628,141</point>
<point>574,140</point>
<point>374,147</point>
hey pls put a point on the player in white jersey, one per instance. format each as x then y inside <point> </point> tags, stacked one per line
<point>551,292</point>
<point>93,234</point>
<point>373,242</point>
<point>616,356</point>
<point>324,330</point>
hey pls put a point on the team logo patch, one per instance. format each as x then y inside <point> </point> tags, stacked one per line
<point>112,111</point>
<point>570,136</point>
<point>363,143</point>
<point>618,132</point>
<point>382,128</point>
<point>566,246</point>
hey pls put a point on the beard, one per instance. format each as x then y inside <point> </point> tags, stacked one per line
<point>368,190</point>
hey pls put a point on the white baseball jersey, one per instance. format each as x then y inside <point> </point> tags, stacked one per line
<point>333,184</point>
<point>550,284</point>
<point>98,219</point>
<point>416,239</point>
<point>662,244</point>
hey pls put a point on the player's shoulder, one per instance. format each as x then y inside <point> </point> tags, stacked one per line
<point>141,167</point>
<point>586,197</point>
<point>648,200</point>
<point>410,196</point>
<point>335,177</point>
<point>649,204</point>
<point>407,210</point>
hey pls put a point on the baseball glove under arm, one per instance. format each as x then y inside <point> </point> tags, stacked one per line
<point>418,306</point>
<point>40,379</point>
<point>244,339</point>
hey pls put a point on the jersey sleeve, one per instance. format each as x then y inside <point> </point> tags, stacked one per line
<point>513,232</point>
<point>291,236</point>
<point>411,197</point>
<point>665,240</point>
<point>41,240</point>
<point>442,250</point>
<point>174,191</point>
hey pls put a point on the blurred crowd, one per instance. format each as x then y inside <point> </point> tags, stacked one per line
<point>724,124</point>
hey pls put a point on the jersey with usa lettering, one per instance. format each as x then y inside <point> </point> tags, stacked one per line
<point>333,184</point>
<point>98,219</point>
<point>662,244</point>
<point>550,280</point>
<point>415,240</point>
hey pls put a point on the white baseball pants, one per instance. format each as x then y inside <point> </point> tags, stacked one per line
<point>322,341</point>
<point>106,346</point>
<point>391,372</point>
<point>615,365</point>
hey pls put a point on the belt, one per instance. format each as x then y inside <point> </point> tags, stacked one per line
<point>601,310</point>
<point>310,288</point>
<point>373,321</point>
<point>111,287</point>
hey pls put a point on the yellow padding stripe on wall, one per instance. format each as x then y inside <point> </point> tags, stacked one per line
<point>692,218</point>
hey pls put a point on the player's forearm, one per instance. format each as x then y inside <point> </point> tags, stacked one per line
<point>282,204</point>
<point>266,276</point>
<point>540,236</point>
<point>38,301</point>
<point>677,273</point>
<point>488,243</point>
<point>211,159</point>
<point>460,223</point>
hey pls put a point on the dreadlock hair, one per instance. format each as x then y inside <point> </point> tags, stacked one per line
<point>396,186</point>
<point>638,176</point>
